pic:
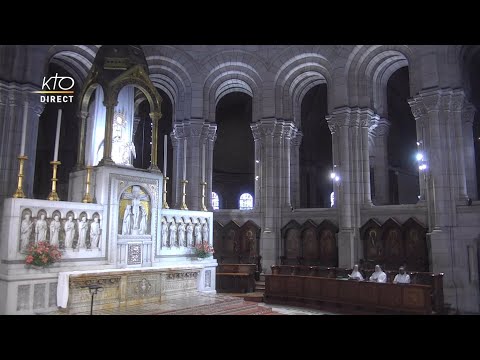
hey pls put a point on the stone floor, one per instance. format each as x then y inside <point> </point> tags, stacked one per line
<point>205,304</point>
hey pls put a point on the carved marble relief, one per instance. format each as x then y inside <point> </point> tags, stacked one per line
<point>134,212</point>
<point>183,232</point>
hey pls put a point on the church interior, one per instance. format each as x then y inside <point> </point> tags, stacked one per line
<point>239,179</point>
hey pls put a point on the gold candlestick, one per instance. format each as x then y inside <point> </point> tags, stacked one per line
<point>164,198</point>
<point>203,207</point>
<point>184,187</point>
<point>87,198</point>
<point>53,195</point>
<point>19,193</point>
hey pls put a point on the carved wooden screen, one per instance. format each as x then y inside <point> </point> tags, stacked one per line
<point>249,239</point>
<point>416,249</point>
<point>231,239</point>
<point>291,242</point>
<point>328,250</point>
<point>218,239</point>
<point>310,250</point>
<point>373,249</point>
<point>394,244</point>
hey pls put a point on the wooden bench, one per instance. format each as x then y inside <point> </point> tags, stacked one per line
<point>368,296</point>
<point>236,278</point>
<point>434,281</point>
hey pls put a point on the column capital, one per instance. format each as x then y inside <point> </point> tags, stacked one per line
<point>297,139</point>
<point>368,118</point>
<point>110,102</point>
<point>418,109</point>
<point>155,115</point>
<point>458,100</point>
<point>383,127</point>
<point>430,99</point>
<point>468,113</point>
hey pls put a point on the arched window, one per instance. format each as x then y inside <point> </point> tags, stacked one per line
<point>246,202</point>
<point>332,199</point>
<point>215,201</point>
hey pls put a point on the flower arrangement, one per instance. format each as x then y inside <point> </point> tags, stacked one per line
<point>42,254</point>
<point>203,250</point>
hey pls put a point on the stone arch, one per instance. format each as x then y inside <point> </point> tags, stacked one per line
<point>76,59</point>
<point>294,77</point>
<point>232,71</point>
<point>172,71</point>
<point>368,70</point>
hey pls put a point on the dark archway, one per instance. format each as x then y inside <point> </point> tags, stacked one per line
<point>234,152</point>
<point>68,144</point>
<point>402,141</point>
<point>316,160</point>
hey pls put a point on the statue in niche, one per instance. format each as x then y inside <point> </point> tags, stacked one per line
<point>55,230</point>
<point>95,232</point>
<point>25,232</point>
<point>373,244</point>
<point>127,220</point>
<point>69,232</point>
<point>82,232</point>
<point>181,234</point>
<point>143,221</point>
<point>205,232</point>
<point>173,234</point>
<point>41,229</point>
<point>164,233</point>
<point>190,234</point>
<point>122,147</point>
<point>198,233</point>
<point>133,215</point>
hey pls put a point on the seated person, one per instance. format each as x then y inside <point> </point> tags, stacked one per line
<point>355,275</point>
<point>378,275</point>
<point>402,277</point>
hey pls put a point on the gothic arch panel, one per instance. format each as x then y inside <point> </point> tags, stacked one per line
<point>393,242</point>
<point>328,253</point>
<point>291,236</point>
<point>373,247</point>
<point>416,249</point>
<point>309,242</point>
<point>249,239</point>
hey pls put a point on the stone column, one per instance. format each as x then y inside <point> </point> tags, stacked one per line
<point>209,141</point>
<point>83,118</point>
<point>175,176</point>
<point>368,120</point>
<point>289,130</point>
<point>107,145</point>
<point>381,162</point>
<point>155,116</point>
<point>295,168</point>
<point>458,98</point>
<point>468,116</point>
<point>258,140</point>
<point>339,123</point>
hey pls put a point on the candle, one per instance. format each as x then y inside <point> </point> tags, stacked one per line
<point>24,128</point>
<point>203,163</point>
<point>185,159</point>
<point>57,136</point>
<point>165,155</point>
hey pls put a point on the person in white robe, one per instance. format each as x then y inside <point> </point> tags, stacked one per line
<point>402,277</point>
<point>355,275</point>
<point>378,276</point>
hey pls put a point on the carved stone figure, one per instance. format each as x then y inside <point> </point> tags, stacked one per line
<point>69,232</point>
<point>205,233</point>
<point>190,234</point>
<point>25,232</point>
<point>181,234</point>
<point>164,233</point>
<point>198,233</point>
<point>173,234</point>
<point>127,220</point>
<point>143,221</point>
<point>55,230</point>
<point>250,239</point>
<point>82,232</point>
<point>41,229</point>
<point>95,232</point>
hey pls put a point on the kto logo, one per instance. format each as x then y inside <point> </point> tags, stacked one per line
<point>56,87</point>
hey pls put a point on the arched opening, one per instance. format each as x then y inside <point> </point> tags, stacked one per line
<point>68,142</point>
<point>401,141</point>
<point>215,201</point>
<point>245,202</point>
<point>233,156</point>
<point>316,160</point>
